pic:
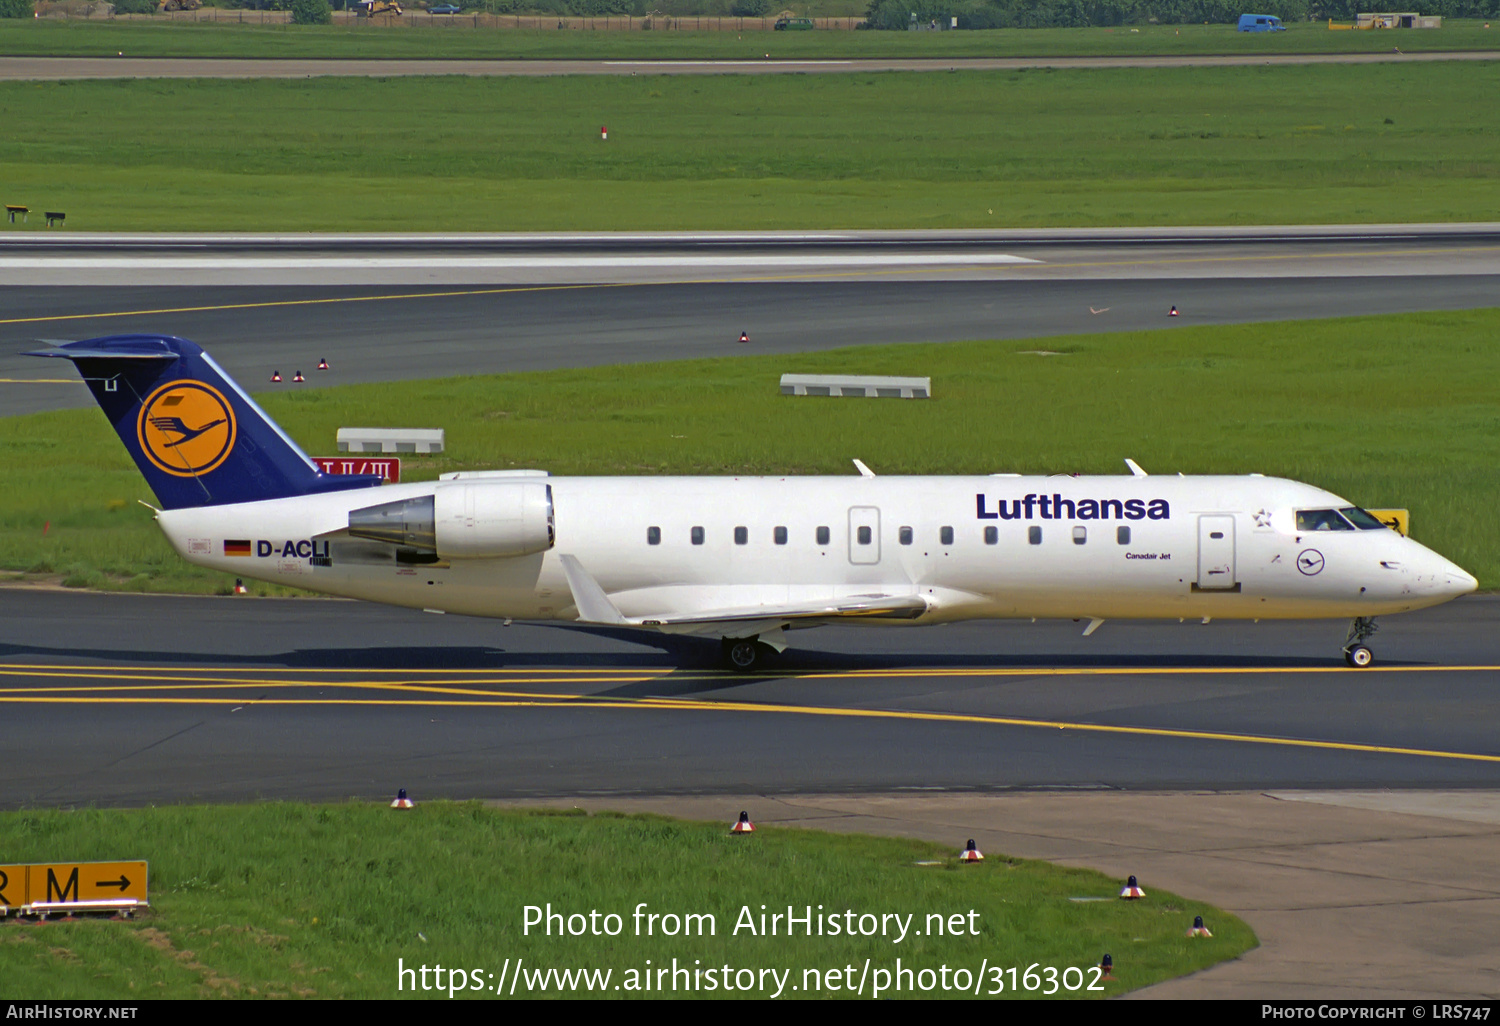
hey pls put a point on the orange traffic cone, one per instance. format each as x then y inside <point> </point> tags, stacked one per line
<point>971,853</point>
<point>1198,929</point>
<point>1132,889</point>
<point>275,377</point>
<point>298,377</point>
<point>322,363</point>
<point>403,802</point>
<point>743,826</point>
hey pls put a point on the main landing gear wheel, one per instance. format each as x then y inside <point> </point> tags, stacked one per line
<point>745,654</point>
<point>1356,653</point>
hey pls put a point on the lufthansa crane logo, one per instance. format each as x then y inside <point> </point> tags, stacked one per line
<point>186,428</point>
<point>1310,562</point>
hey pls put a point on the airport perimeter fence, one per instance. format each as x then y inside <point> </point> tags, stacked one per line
<point>414,18</point>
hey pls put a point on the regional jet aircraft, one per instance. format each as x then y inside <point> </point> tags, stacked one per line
<point>744,559</point>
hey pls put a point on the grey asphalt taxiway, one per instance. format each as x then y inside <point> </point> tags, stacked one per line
<point>134,699</point>
<point>393,308</point>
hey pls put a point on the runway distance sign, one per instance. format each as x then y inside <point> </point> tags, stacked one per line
<point>388,467</point>
<point>71,881</point>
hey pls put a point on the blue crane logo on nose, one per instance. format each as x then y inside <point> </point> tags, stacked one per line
<point>1310,562</point>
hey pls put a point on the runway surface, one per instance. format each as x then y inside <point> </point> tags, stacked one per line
<point>57,68</point>
<point>404,321</point>
<point>132,699</point>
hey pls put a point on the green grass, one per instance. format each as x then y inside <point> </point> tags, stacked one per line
<point>453,40</point>
<point>1394,411</point>
<point>321,901</point>
<point>937,150</point>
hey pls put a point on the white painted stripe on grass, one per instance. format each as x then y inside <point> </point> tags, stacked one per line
<point>335,261</point>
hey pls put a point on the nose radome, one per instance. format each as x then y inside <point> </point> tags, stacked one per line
<point>1459,580</point>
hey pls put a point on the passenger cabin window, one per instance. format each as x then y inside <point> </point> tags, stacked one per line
<point>742,536</point>
<point>1362,519</point>
<point>863,535</point>
<point>1122,535</point>
<point>823,536</point>
<point>945,536</point>
<point>991,535</point>
<point>779,536</point>
<point>1034,535</point>
<point>697,536</point>
<point>653,536</point>
<point>1080,535</point>
<point>904,535</point>
<point>1322,520</point>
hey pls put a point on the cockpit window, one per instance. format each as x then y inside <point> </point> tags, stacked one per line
<point>1362,519</point>
<point>1322,520</point>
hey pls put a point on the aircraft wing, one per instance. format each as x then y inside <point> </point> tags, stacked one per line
<point>867,607</point>
<point>594,606</point>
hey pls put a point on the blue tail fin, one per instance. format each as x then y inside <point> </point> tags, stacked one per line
<point>197,437</point>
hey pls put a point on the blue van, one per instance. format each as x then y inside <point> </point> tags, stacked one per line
<point>1261,23</point>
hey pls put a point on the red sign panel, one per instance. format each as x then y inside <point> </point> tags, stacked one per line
<point>388,467</point>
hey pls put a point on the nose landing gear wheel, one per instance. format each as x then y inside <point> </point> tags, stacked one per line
<point>744,654</point>
<point>1356,653</point>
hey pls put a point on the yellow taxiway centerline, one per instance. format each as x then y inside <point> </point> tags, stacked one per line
<point>731,279</point>
<point>680,705</point>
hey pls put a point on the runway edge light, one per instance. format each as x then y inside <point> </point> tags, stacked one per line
<point>1198,929</point>
<point>743,825</point>
<point>403,802</point>
<point>971,853</point>
<point>1107,967</point>
<point>322,363</point>
<point>1132,889</point>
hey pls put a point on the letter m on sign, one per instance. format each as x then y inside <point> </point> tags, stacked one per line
<point>68,886</point>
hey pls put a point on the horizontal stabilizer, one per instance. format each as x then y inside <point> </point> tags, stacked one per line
<point>82,351</point>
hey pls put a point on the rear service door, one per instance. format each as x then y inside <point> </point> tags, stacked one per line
<point>864,534</point>
<point>1216,553</point>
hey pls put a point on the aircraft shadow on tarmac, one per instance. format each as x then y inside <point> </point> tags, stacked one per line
<point>674,653</point>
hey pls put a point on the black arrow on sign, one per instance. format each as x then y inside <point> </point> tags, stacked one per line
<point>121,883</point>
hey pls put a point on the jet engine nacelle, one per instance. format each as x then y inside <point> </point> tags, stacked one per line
<point>465,520</point>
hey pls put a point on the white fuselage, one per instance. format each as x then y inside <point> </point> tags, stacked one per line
<point>1196,547</point>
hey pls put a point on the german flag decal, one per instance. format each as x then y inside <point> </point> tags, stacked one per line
<point>236,547</point>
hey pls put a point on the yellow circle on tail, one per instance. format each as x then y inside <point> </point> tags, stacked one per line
<point>186,428</point>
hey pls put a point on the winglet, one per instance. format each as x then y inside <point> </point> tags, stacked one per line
<point>593,605</point>
<point>1135,468</point>
<point>864,471</point>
